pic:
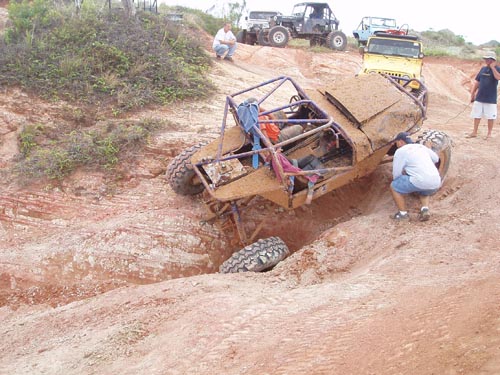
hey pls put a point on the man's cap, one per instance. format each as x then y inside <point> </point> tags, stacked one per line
<point>490,55</point>
<point>403,136</point>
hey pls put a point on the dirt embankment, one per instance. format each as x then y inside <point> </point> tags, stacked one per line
<point>100,276</point>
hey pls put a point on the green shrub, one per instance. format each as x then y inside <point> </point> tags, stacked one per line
<point>101,58</point>
<point>102,147</point>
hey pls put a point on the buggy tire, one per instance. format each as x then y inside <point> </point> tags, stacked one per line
<point>181,175</point>
<point>279,36</point>
<point>257,257</point>
<point>263,38</point>
<point>336,40</point>
<point>441,144</point>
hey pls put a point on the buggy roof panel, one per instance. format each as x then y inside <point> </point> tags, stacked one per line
<point>362,98</point>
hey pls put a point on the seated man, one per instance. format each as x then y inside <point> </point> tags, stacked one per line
<point>277,135</point>
<point>273,131</point>
<point>224,41</point>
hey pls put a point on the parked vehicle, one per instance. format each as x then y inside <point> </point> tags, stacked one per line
<point>348,131</point>
<point>372,25</point>
<point>313,21</point>
<point>255,22</point>
<point>399,56</point>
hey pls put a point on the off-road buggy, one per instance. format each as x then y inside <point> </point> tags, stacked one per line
<point>313,21</point>
<point>348,130</point>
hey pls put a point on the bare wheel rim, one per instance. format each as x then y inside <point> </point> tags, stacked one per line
<point>279,37</point>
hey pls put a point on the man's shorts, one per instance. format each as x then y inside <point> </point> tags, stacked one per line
<point>403,185</point>
<point>486,110</point>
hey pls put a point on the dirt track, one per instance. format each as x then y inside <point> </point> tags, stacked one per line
<point>360,295</point>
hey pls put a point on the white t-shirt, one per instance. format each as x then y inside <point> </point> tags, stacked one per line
<point>417,161</point>
<point>221,35</point>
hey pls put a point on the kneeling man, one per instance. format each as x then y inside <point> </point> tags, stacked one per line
<point>413,171</point>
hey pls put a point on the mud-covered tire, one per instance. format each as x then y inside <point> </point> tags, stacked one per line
<point>279,36</point>
<point>181,175</point>
<point>256,257</point>
<point>336,40</point>
<point>441,144</point>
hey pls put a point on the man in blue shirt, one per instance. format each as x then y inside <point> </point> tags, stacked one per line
<point>484,94</point>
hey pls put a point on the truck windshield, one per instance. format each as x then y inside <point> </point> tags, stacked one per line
<point>394,47</point>
<point>383,22</point>
<point>298,10</point>
<point>261,15</point>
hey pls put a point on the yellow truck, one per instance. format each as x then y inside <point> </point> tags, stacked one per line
<point>397,56</point>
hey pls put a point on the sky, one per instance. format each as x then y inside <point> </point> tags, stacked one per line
<point>478,22</point>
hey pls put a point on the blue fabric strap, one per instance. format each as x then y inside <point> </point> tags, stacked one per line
<point>248,114</point>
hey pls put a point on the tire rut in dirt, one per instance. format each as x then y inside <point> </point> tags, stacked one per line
<point>259,256</point>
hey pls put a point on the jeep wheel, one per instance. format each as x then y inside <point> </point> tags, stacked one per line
<point>336,40</point>
<point>263,38</point>
<point>256,257</point>
<point>279,36</point>
<point>181,175</point>
<point>251,39</point>
<point>441,144</point>
<point>240,37</point>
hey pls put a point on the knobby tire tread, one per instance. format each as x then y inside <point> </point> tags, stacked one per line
<point>256,257</point>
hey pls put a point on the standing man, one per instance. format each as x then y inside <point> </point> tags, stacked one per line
<point>484,94</point>
<point>413,171</point>
<point>224,41</point>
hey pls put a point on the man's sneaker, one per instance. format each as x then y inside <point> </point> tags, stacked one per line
<point>424,214</point>
<point>218,57</point>
<point>398,216</point>
<point>228,58</point>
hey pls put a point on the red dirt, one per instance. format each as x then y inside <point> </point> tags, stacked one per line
<point>101,277</point>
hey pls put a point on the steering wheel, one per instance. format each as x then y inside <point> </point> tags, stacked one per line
<point>295,98</point>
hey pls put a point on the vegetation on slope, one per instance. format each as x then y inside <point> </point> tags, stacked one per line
<point>96,59</point>
<point>101,57</point>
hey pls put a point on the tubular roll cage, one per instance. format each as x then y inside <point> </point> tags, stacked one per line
<point>324,122</point>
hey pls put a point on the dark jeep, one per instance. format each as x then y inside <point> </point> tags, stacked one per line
<point>313,21</point>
